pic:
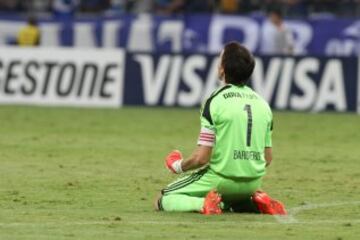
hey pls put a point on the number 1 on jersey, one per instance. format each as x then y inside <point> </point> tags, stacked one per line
<point>247,108</point>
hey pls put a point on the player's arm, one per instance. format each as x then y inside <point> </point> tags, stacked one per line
<point>268,155</point>
<point>268,144</point>
<point>202,154</point>
<point>200,157</point>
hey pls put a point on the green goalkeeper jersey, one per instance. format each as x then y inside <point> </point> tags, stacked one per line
<point>237,123</point>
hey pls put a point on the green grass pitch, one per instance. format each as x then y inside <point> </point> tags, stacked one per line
<point>93,174</point>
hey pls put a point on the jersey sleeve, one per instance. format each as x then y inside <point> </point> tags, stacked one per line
<point>268,136</point>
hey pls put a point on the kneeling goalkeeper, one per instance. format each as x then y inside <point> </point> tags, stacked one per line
<point>234,147</point>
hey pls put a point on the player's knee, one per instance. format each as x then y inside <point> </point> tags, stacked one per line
<point>157,202</point>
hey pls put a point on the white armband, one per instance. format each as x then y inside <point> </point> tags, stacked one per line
<point>206,137</point>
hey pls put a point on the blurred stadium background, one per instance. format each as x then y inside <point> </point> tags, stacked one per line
<point>164,52</point>
<point>73,168</point>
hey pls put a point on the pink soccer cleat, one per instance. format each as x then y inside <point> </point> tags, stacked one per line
<point>267,205</point>
<point>212,203</point>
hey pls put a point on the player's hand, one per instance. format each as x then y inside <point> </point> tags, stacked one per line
<point>173,161</point>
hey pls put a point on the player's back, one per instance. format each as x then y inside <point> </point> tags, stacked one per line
<point>242,121</point>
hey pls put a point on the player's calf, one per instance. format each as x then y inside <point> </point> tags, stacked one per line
<point>183,203</point>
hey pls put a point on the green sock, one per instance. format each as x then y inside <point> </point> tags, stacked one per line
<point>181,203</point>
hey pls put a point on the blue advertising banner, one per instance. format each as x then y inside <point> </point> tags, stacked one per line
<point>113,78</point>
<point>190,33</point>
<point>292,83</point>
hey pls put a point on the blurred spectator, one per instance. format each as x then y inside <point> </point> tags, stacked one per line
<point>277,38</point>
<point>325,6</point>
<point>186,6</point>
<point>136,6</point>
<point>291,8</point>
<point>229,6</point>
<point>64,8</point>
<point>199,6</point>
<point>93,6</point>
<point>35,6</point>
<point>297,8</point>
<point>168,7</point>
<point>9,5</point>
<point>30,34</point>
<point>248,6</point>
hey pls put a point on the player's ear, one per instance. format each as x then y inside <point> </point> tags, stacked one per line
<point>221,72</point>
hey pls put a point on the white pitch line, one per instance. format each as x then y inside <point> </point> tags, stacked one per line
<point>296,210</point>
<point>286,219</point>
<point>290,217</point>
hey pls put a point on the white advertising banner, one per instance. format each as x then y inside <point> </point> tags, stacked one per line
<point>62,76</point>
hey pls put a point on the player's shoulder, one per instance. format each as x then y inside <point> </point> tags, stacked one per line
<point>214,95</point>
<point>261,100</point>
<point>205,110</point>
<point>209,102</point>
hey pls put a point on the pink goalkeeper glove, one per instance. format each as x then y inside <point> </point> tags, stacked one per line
<point>173,161</point>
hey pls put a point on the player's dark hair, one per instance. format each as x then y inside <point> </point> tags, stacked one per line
<point>32,21</point>
<point>277,11</point>
<point>238,63</point>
